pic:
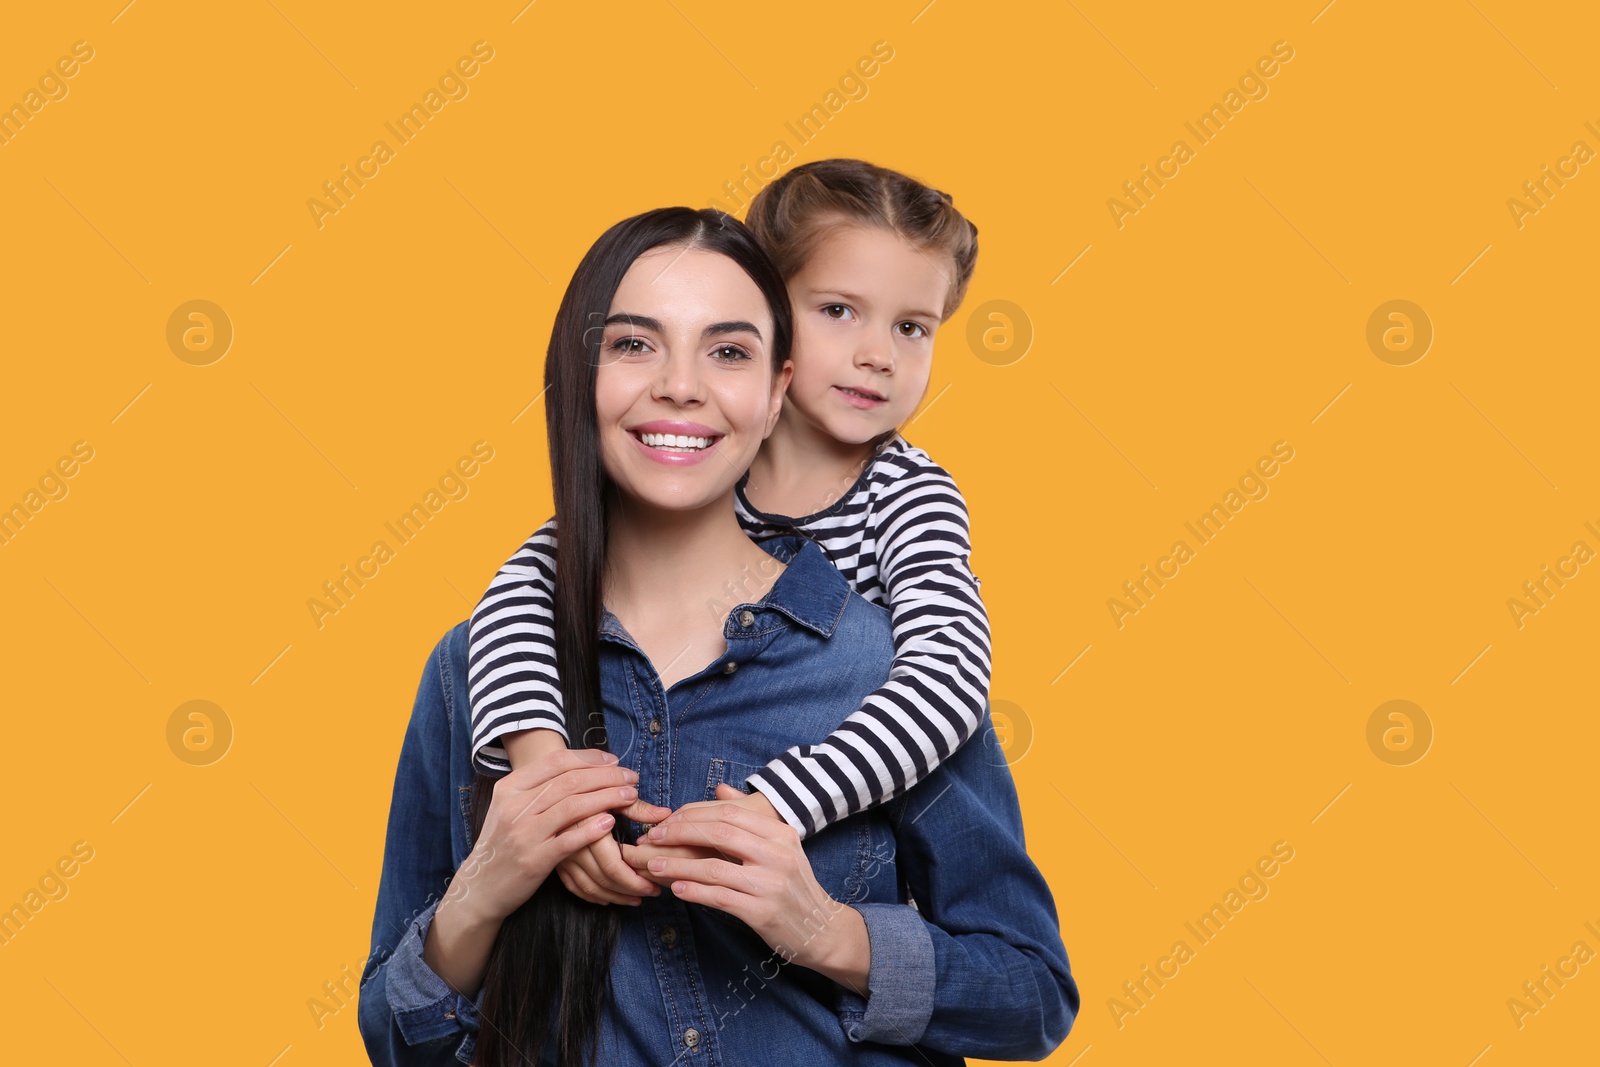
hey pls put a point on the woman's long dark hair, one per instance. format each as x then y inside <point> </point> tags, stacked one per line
<point>547,982</point>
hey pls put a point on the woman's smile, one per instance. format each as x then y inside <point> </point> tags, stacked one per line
<point>677,444</point>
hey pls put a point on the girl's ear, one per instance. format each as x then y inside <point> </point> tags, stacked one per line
<point>780,388</point>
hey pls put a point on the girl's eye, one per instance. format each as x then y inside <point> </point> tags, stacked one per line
<point>917,329</point>
<point>836,312</point>
<point>731,353</point>
<point>628,345</point>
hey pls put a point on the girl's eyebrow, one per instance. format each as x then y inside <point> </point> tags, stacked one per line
<point>859,299</point>
<point>716,329</point>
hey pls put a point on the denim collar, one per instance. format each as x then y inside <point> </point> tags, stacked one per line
<point>810,591</point>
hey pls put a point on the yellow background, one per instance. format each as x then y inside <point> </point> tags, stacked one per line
<point>1229,313</point>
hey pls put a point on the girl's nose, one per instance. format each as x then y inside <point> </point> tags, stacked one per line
<point>875,356</point>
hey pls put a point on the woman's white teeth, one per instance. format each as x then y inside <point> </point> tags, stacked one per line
<point>864,396</point>
<point>675,442</point>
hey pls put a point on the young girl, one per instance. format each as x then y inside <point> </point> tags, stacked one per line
<point>874,262</point>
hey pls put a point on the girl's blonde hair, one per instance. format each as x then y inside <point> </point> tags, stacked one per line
<point>790,216</point>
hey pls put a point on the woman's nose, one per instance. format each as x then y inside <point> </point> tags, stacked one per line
<point>680,381</point>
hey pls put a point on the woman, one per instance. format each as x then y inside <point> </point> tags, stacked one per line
<point>915,932</point>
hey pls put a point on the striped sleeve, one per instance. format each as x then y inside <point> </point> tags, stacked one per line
<point>511,654</point>
<point>938,685</point>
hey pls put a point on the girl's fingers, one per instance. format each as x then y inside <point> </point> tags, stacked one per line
<point>642,811</point>
<point>614,874</point>
<point>566,880</point>
<point>584,886</point>
<point>576,884</point>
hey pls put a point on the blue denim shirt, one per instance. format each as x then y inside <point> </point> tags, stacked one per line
<point>967,958</point>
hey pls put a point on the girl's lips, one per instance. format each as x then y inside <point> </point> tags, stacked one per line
<point>674,459</point>
<point>855,400</point>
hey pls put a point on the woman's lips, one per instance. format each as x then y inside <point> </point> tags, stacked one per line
<point>856,400</point>
<point>674,459</point>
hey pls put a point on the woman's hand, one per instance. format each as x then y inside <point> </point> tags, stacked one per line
<point>638,857</point>
<point>539,815</point>
<point>762,876</point>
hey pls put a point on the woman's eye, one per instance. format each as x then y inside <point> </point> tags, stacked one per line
<point>836,311</point>
<point>731,353</point>
<point>917,329</point>
<point>629,345</point>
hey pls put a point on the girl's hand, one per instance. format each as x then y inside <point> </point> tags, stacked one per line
<point>539,815</point>
<point>598,871</point>
<point>764,878</point>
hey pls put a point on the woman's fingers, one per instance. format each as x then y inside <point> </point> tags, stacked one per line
<point>525,803</point>
<point>724,898</point>
<point>703,871</point>
<point>579,806</point>
<point>728,833</point>
<point>638,857</point>
<point>580,835</point>
<point>534,775</point>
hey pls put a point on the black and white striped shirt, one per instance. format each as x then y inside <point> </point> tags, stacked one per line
<point>899,536</point>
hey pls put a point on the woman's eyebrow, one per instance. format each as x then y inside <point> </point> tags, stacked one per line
<point>644,322</point>
<point>716,329</point>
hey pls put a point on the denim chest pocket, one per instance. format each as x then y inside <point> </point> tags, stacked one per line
<point>850,859</point>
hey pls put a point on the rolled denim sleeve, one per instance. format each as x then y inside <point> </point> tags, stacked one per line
<point>406,1014</point>
<point>900,978</point>
<point>425,1008</point>
<point>1001,984</point>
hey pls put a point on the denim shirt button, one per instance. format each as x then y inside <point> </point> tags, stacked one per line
<point>729,667</point>
<point>655,725</point>
<point>691,1037</point>
<point>747,618</point>
<point>669,937</point>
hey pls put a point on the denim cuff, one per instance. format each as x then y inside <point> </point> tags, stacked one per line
<point>424,1007</point>
<point>899,981</point>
